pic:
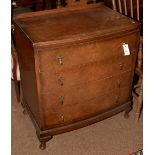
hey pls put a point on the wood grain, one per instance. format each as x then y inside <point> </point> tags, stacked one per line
<point>96,76</point>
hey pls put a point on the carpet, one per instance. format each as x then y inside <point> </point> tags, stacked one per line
<point>113,136</point>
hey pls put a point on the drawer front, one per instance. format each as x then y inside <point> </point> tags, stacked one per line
<point>86,108</point>
<point>63,58</point>
<point>91,72</point>
<point>65,95</point>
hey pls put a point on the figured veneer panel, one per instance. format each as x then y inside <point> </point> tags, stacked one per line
<point>84,91</point>
<point>73,69</point>
<point>86,108</point>
<point>85,53</point>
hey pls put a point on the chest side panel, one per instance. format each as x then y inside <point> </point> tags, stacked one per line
<point>26,59</point>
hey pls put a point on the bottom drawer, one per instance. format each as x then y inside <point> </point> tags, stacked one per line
<point>85,109</point>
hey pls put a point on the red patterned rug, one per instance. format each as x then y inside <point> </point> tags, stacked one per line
<point>140,152</point>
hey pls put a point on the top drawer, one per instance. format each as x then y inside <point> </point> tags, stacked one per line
<point>66,57</point>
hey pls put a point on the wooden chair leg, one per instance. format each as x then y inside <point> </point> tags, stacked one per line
<point>14,74</point>
<point>139,102</point>
<point>139,86</point>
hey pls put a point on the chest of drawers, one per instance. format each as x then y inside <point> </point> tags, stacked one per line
<point>74,71</point>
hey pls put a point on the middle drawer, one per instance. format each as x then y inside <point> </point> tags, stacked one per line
<point>63,81</point>
<point>69,95</point>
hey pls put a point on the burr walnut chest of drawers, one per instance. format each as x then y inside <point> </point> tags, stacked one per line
<point>75,69</point>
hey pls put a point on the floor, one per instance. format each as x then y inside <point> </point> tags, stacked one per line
<point>113,136</point>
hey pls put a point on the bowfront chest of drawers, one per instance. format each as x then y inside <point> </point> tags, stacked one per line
<point>76,66</point>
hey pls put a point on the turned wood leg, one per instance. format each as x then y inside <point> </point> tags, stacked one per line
<point>14,63</point>
<point>139,96</point>
<point>43,140</point>
<point>126,114</point>
<point>14,74</point>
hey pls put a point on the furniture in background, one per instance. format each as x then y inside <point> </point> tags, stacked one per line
<point>130,8</point>
<point>134,10</point>
<point>68,3</point>
<point>138,88</point>
<point>15,76</point>
<point>35,5</point>
<point>18,7</point>
<point>76,67</point>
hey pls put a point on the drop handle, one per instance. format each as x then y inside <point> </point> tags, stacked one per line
<point>61,99</point>
<point>121,65</point>
<point>60,59</point>
<point>61,80</point>
<point>62,117</point>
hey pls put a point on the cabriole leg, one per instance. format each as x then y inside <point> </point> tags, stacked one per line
<point>42,146</point>
<point>43,140</point>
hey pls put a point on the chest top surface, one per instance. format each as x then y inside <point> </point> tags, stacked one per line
<point>74,23</point>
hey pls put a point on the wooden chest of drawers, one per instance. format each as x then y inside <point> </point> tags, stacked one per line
<point>74,71</point>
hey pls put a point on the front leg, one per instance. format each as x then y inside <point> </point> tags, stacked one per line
<point>42,145</point>
<point>43,140</point>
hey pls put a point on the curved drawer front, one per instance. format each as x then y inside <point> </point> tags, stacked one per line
<point>64,95</point>
<point>86,108</point>
<point>68,57</point>
<point>92,72</point>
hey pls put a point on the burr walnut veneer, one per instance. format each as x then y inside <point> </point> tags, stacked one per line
<point>74,71</point>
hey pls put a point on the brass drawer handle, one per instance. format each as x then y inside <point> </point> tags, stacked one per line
<point>61,99</point>
<point>117,99</point>
<point>61,59</point>
<point>121,65</point>
<point>119,83</point>
<point>62,117</point>
<point>61,80</point>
